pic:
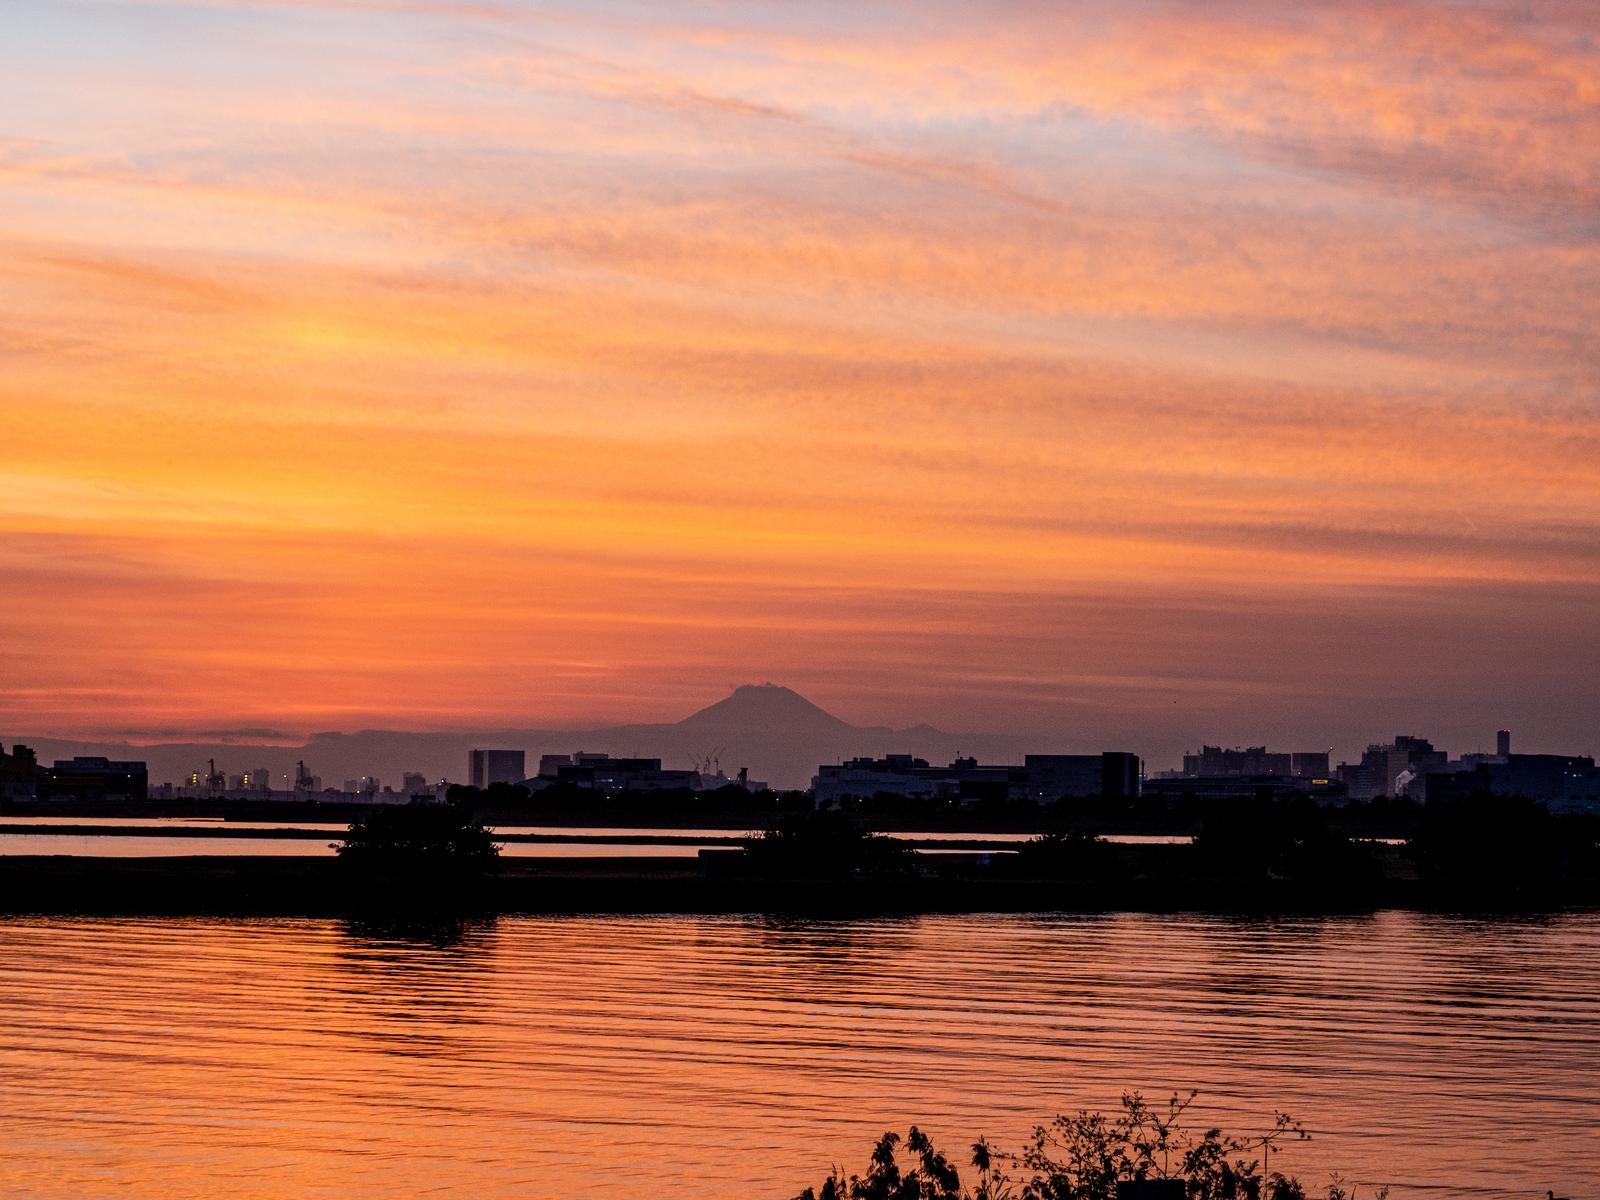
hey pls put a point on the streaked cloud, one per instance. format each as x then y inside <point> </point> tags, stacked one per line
<point>430,363</point>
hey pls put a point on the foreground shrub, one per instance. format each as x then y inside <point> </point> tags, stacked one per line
<point>1136,1154</point>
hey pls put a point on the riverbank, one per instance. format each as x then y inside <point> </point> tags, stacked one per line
<point>232,814</point>
<point>1150,879</point>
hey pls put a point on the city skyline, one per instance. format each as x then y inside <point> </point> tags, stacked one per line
<point>1195,369</point>
<point>768,727</point>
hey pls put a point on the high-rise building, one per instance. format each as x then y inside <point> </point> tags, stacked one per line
<point>19,772</point>
<point>485,767</point>
<point>1502,743</point>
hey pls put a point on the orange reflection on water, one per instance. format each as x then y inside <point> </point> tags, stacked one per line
<point>640,1057</point>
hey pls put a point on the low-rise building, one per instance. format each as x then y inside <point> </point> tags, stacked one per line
<point>94,779</point>
<point>1563,782</point>
<point>603,773</point>
<point>1042,778</point>
<point>1113,775</point>
<point>1250,761</point>
<point>1213,788</point>
<point>965,780</point>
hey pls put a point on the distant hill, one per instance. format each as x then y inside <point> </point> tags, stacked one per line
<point>775,732</point>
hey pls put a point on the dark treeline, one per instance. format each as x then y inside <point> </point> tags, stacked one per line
<point>566,803</point>
<point>1483,853</point>
<point>1484,842</point>
<point>673,805</point>
<point>1489,843</point>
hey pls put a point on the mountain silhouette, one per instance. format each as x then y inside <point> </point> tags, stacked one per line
<point>774,731</point>
<point>764,706</point>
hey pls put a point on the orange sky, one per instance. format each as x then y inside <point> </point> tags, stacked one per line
<point>1157,370</point>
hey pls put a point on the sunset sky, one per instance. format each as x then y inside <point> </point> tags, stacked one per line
<point>1149,372</point>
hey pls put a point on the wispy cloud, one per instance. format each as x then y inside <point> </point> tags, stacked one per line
<point>398,359</point>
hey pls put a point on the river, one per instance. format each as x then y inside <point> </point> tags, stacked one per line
<point>739,1057</point>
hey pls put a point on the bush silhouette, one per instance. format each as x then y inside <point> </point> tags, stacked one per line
<point>1066,856</point>
<point>1139,1153</point>
<point>1503,841</point>
<point>1285,839</point>
<point>431,841</point>
<point>826,845</point>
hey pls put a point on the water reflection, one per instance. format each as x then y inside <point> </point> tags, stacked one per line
<point>427,930</point>
<point>625,1056</point>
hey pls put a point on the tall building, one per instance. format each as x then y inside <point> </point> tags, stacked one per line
<point>19,772</point>
<point>1502,743</point>
<point>485,767</point>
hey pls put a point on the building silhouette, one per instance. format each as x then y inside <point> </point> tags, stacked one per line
<point>1042,778</point>
<point>1112,775</point>
<point>603,773</point>
<point>1388,768</point>
<point>1211,762</point>
<point>94,779</point>
<point>19,773</point>
<point>486,767</point>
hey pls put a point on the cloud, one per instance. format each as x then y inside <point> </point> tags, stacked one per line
<point>498,359</point>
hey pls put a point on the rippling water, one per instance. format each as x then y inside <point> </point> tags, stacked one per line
<point>738,1057</point>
